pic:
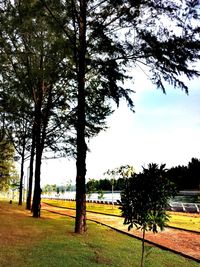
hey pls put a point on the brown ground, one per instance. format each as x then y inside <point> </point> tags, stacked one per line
<point>184,242</point>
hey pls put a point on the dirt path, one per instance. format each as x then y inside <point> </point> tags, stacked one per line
<point>183,242</point>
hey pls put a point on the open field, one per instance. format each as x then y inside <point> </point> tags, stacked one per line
<point>188,221</point>
<point>50,241</point>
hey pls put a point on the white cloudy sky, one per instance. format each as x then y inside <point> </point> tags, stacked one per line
<point>163,129</point>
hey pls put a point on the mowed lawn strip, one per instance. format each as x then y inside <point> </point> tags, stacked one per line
<point>188,221</point>
<point>51,241</point>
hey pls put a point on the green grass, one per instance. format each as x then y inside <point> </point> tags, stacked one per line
<point>103,208</point>
<point>51,241</point>
<point>187,221</point>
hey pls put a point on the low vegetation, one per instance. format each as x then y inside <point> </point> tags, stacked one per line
<point>188,221</point>
<point>50,241</point>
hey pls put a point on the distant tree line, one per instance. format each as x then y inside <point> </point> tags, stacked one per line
<point>59,189</point>
<point>184,177</point>
<point>105,184</point>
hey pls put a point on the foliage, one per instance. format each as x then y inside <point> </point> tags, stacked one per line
<point>106,184</point>
<point>91,188</point>
<point>80,51</point>
<point>115,178</point>
<point>124,171</point>
<point>186,177</point>
<point>7,168</point>
<point>100,194</point>
<point>34,49</point>
<point>193,173</point>
<point>69,186</point>
<point>145,198</point>
<point>48,189</point>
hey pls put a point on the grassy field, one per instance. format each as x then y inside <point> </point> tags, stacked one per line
<point>50,241</point>
<point>187,221</point>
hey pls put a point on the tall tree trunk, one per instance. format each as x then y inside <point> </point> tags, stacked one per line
<point>41,124</point>
<point>38,147</point>
<point>80,224</point>
<point>30,182</point>
<point>37,189</point>
<point>22,172</point>
<point>38,161</point>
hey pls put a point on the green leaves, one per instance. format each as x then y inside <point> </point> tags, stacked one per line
<point>7,168</point>
<point>145,198</point>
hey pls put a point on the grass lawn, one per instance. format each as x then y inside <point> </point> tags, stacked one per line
<point>104,208</point>
<point>187,221</point>
<point>50,241</point>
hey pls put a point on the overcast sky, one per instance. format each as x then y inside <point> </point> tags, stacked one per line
<point>163,129</point>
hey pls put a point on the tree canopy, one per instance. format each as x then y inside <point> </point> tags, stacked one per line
<point>145,198</point>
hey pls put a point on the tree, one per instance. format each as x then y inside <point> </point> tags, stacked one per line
<point>100,194</point>
<point>20,138</point>
<point>104,38</point>
<point>124,171</point>
<point>95,81</point>
<point>112,175</point>
<point>48,189</point>
<point>91,187</point>
<point>104,184</point>
<point>194,174</point>
<point>17,116</point>
<point>69,185</point>
<point>7,167</point>
<point>186,177</point>
<point>34,47</point>
<point>145,199</point>
<point>109,35</point>
<point>179,176</point>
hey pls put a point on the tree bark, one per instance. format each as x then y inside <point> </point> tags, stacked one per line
<point>41,124</point>
<point>30,185</point>
<point>38,147</point>
<point>80,224</point>
<point>22,172</point>
<point>37,189</point>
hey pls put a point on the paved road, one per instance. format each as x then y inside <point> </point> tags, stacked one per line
<point>183,242</point>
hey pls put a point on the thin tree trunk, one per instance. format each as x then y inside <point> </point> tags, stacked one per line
<point>21,181</point>
<point>30,185</point>
<point>142,258</point>
<point>22,173</point>
<point>80,224</point>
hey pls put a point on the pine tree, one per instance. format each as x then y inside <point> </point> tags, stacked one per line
<point>106,38</point>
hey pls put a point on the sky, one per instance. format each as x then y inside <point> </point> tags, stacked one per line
<point>165,128</point>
